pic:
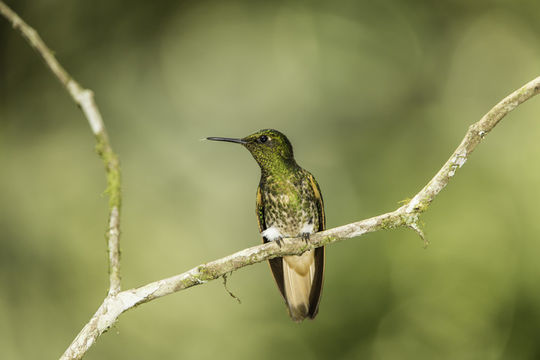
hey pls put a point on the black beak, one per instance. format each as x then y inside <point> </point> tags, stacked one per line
<point>238,141</point>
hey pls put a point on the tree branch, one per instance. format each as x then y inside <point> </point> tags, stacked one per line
<point>118,301</point>
<point>84,98</point>
<point>406,215</point>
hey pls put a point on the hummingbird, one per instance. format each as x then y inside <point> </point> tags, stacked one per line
<point>289,204</point>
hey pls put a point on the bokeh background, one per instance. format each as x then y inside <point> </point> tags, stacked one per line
<point>373,95</point>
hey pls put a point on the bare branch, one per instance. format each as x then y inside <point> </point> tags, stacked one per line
<point>84,98</point>
<point>476,133</point>
<point>118,301</point>
<point>406,216</point>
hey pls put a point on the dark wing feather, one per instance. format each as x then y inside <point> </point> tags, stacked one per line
<point>276,264</point>
<point>316,287</point>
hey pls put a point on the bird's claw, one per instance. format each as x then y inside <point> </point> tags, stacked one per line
<point>279,241</point>
<point>306,237</point>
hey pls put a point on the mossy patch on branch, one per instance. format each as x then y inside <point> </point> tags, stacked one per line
<point>112,167</point>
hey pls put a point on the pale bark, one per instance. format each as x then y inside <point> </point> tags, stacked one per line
<point>84,98</point>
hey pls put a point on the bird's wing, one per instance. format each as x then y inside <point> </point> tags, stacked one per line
<point>276,264</point>
<point>320,202</point>
<point>317,285</point>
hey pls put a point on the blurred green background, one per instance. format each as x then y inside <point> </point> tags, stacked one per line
<point>373,95</point>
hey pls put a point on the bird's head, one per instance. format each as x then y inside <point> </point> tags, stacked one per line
<point>270,148</point>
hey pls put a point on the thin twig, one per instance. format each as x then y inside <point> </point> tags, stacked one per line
<point>84,98</point>
<point>227,288</point>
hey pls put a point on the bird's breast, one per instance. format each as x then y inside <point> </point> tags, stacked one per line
<point>290,208</point>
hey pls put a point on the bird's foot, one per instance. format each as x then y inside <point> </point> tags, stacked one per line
<point>306,236</point>
<point>279,241</point>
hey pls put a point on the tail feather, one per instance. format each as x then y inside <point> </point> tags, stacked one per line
<point>298,275</point>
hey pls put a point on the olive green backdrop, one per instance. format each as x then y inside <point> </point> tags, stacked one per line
<point>374,97</point>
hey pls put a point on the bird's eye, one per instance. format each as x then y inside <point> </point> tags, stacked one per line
<point>263,139</point>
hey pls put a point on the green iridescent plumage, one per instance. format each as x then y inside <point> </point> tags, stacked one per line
<point>289,204</point>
